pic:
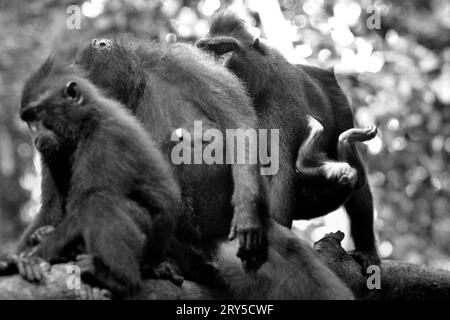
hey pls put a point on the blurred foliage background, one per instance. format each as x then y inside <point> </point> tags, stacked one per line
<point>392,59</point>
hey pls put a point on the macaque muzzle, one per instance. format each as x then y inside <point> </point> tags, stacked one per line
<point>43,138</point>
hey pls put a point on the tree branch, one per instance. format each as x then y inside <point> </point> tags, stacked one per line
<point>399,280</point>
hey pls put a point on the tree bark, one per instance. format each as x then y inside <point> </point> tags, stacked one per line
<point>399,280</point>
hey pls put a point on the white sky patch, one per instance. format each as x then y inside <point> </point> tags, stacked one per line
<point>312,6</point>
<point>342,35</point>
<point>303,50</point>
<point>279,32</point>
<point>208,7</point>
<point>393,124</point>
<point>255,32</point>
<point>31,180</point>
<point>385,248</point>
<point>347,11</point>
<point>92,8</point>
<point>364,60</point>
<point>375,145</point>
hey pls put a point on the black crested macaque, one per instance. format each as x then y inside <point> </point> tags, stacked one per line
<point>166,81</point>
<point>107,189</point>
<point>329,182</point>
<point>317,138</point>
<point>170,81</point>
<point>170,88</point>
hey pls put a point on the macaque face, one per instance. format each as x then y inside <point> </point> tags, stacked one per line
<point>51,116</point>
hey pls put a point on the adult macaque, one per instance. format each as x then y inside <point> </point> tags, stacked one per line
<point>316,133</point>
<point>107,190</point>
<point>168,87</point>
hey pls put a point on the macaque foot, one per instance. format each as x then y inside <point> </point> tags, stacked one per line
<point>340,172</point>
<point>366,259</point>
<point>252,243</point>
<point>357,134</point>
<point>166,270</point>
<point>32,268</point>
<point>86,292</point>
<point>40,234</point>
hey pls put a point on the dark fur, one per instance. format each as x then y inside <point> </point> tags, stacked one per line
<point>292,271</point>
<point>284,95</point>
<point>106,186</point>
<point>186,86</point>
<point>177,85</point>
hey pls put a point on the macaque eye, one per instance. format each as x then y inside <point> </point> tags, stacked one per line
<point>71,91</point>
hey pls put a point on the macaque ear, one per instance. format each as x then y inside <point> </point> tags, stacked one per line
<point>258,46</point>
<point>218,45</point>
<point>72,92</point>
